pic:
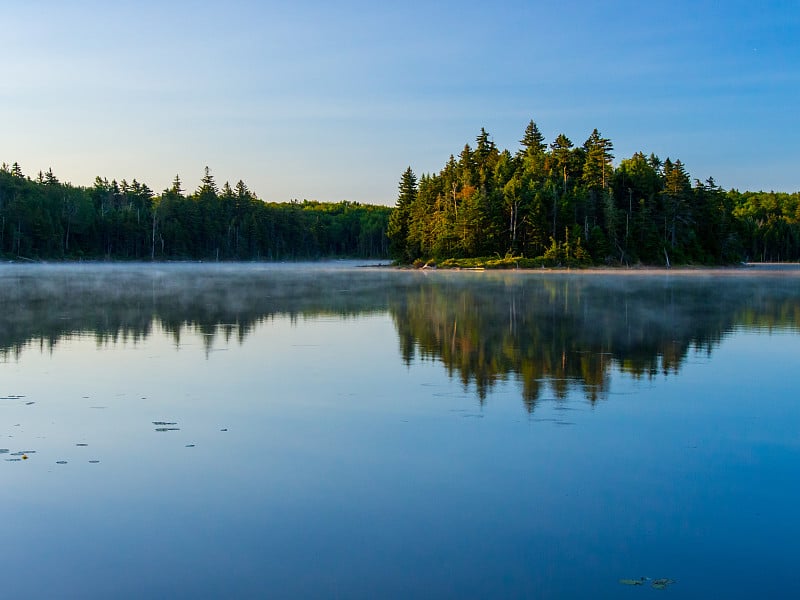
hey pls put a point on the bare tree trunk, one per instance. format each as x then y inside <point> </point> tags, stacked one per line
<point>153,241</point>
<point>555,210</point>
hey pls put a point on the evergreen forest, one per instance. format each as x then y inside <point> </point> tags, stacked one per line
<point>556,204</point>
<point>45,219</point>
<point>566,204</point>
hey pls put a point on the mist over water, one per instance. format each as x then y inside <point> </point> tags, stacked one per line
<point>566,327</point>
<point>330,430</point>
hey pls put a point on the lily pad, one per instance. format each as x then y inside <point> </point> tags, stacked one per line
<point>661,584</point>
<point>632,581</point>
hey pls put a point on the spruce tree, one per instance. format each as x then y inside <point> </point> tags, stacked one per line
<point>398,222</point>
<point>597,167</point>
<point>533,140</point>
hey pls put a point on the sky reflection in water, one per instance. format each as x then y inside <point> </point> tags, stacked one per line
<point>367,433</point>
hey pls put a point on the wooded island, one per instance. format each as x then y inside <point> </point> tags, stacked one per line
<point>561,204</point>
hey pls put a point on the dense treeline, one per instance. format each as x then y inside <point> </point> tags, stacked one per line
<point>567,204</point>
<point>768,224</point>
<point>43,218</point>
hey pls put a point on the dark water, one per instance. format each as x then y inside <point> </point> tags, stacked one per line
<point>332,432</point>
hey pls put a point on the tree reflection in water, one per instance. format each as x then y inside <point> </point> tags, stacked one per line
<point>556,331</point>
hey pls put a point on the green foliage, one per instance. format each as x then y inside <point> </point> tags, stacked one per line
<point>767,224</point>
<point>46,219</point>
<point>400,246</point>
<point>532,141</point>
<point>567,205</point>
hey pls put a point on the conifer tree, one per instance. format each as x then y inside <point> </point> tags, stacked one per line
<point>597,167</point>
<point>399,220</point>
<point>533,140</point>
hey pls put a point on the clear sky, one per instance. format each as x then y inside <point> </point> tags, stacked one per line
<point>333,100</point>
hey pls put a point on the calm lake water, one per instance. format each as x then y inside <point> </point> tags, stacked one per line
<point>324,431</point>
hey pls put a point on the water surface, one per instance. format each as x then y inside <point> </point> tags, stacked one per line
<point>329,431</point>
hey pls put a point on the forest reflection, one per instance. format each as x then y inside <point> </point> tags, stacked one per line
<point>565,331</point>
<point>552,332</point>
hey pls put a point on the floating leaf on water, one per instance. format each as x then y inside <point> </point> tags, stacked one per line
<point>94,462</point>
<point>81,444</point>
<point>661,584</point>
<point>226,429</point>
<point>639,581</point>
<point>29,403</point>
<point>61,462</point>
<point>190,445</point>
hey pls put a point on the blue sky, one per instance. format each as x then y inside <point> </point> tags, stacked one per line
<point>332,101</point>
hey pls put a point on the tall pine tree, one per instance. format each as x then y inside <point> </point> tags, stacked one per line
<point>398,222</point>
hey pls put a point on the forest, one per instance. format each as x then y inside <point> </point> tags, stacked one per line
<point>568,205</point>
<point>45,219</point>
<point>554,204</point>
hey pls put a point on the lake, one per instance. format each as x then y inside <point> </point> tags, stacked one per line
<point>332,431</point>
